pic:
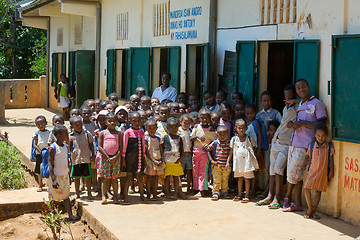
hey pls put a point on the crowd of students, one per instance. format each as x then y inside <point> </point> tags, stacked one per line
<point>227,145</point>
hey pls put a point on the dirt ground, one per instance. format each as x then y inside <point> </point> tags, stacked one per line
<point>30,227</point>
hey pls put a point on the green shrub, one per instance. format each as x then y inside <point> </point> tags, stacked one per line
<point>12,175</point>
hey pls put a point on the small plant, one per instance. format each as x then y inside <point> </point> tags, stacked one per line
<point>12,175</point>
<point>51,216</point>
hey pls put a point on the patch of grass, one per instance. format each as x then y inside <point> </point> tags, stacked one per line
<point>12,175</point>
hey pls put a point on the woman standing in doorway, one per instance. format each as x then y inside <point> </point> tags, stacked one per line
<point>165,91</point>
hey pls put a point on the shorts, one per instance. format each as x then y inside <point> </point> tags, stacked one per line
<point>186,161</point>
<point>173,169</point>
<point>278,158</point>
<point>296,164</point>
<point>38,163</point>
<point>247,175</point>
<point>81,170</point>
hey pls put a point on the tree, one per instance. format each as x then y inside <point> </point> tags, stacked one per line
<point>22,49</point>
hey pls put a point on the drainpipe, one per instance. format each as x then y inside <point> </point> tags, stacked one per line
<point>346,11</point>
<point>98,42</point>
<point>212,45</point>
<point>47,62</point>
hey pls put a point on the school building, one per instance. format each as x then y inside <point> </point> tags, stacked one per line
<point>236,45</point>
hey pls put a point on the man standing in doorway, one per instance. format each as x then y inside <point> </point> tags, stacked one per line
<point>165,91</point>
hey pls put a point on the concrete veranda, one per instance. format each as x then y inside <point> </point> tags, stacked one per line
<point>187,219</point>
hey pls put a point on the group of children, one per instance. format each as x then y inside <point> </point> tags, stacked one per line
<point>218,143</point>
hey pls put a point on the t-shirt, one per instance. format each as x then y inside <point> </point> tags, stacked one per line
<point>42,139</point>
<point>161,130</point>
<point>63,89</point>
<point>90,127</point>
<point>222,152</point>
<point>268,115</point>
<point>169,93</point>
<point>312,110</point>
<point>185,135</point>
<point>81,152</point>
<point>200,131</point>
<point>283,134</point>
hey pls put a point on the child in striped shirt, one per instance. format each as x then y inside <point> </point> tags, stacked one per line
<point>218,156</point>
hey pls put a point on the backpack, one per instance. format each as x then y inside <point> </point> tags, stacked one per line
<point>264,145</point>
<point>72,92</point>
<point>311,152</point>
<point>44,166</point>
<point>33,150</point>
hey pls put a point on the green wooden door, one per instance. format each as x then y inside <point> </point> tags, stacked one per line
<point>174,61</point>
<point>306,63</point>
<point>85,72</point>
<point>139,68</point>
<point>227,80</point>
<point>345,88</point>
<point>71,67</point>
<point>245,77</point>
<point>54,69</point>
<point>205,64</point>
<point>63,63</point>
<point>110,73</point>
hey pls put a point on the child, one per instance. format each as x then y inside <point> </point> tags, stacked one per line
<point>310,112</point>
<point>244,160</point>
<point>182,108</point>
<point>150,113</point>
<point>82,154</point>
<point>85,111</point>
<point>155,165</point>
<point>154,102</point>
<point>91,104</point>
<point>174,109</point>
<point>144,118</point>
<point>140,91</point>
<point>59,182</point>
<point>164,113</point>
<point>103,104</point>
<point>135,102</point>
<point>75,112</point>
<point>113,97</point>
<point>63,100</point>
<point>40,141</point>
<point>220,97</point>
<point>215,119</point>
<point>122,117</point>
<point>110,107</point>
<point>226,113</point>
<point>145,103</point>
<point>97,105</point>
<point>321,169</point>
<point>56,120</point>
<point>279,151</point>
<point>209,101</point>
<point>101,122</point>
<point>239,110</point>
<point>182,98</point>
<point>133,155</point>
<point>186,162</point>
<point>195,119</point>
<point>201,135</point>
<point>220,150</point>
<point>236,97</point>
<point>268,113</point>
<point>110,141</point>
<point>173,152</point>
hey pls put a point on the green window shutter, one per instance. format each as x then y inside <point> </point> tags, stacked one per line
<point>205,63</point>
<point>54,73</point>
<point>140,68</point>
<point>110,77</point>
<point>63,63</point>
<point>127,70</point>
<point>227,80</point>
<point>306,63</point>
<point>71,67</point>
<point>245,61</point>
<point>174,61</point>
<point>85,75</point>
<point>345,95</point>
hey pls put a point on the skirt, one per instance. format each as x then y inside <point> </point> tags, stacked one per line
<point>63,190</point>
<point>64,102</point>
<point>132,158</point>
<point>173,169</point>
<point>109,170</point>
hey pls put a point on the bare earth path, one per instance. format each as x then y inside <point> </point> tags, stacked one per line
<point>190,219</point>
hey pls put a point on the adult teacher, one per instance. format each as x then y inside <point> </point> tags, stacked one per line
<point>165,91</point>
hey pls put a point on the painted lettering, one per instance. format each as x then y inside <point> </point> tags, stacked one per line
<point>195,11</point>
<point>351,168</point>
<point>356,183</point>
<point>347,163</point>
<point>187,12</point>
<point>346,181</point>
<point>176,14</point>
<point>188,23</point>
<point>356,165</point>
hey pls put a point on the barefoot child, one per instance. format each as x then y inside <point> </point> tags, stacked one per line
<point>133,155</point>
<point>110,141</point>
<point>101,123</point>
<point>201,135</point>
<point>62,95</point>
<point>244,160</point>
<point>145,102</point>
<point>220,150</point>
<point>321,169</point>
<point>40,141</point>
<point>155,166</point>
<point>186,162</point>
<point>209,101</point>
<point>59,182</point>
<point>226,114</point>
<point>82,154</point>
<point>173,153</point>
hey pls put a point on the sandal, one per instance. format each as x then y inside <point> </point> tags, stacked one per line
<point>286,204</point>
<point>274,206</point>
<point>315,216</point>
<point>116,202</point>
<point>126,202</point>
<point>144,200</point>
<point>39,189</point>
<point>293,208</point>
<point>245,200</point>
<point>262,203</point>
<point>227,196</point>
<point>307,216</point>
<point>104,202</point>
<point>236,199</point>
<point>215,197</point>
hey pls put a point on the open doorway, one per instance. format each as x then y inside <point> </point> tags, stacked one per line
<point>276,70</point>
<point>120,72</point>
<point>159,65</point>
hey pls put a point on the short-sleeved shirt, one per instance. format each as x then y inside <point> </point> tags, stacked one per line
<point>81,151</point>
<point>205,132</point>
<point>185,135</point>
<point>169,93</point>
<point>312,110</point>
<point>283,134</point>
<point>42,139</point>
<point>91,127</point>
<point>268,115</point>
<point>222,152</point>
<point>63,89</point>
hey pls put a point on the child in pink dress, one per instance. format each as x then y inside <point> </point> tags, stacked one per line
<point>109,147</point>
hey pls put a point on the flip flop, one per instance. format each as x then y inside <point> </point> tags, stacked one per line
<point>315,216</point>
<point>307,216</point>
<point>126,202</point>
<point>293,208</point>
<point>104,202</point>
<point>245,200</point>
<point>286,204</point>
<point>236,199</point>
<point>274,206</point>
<point>262,203</point>
<point>215,197</point>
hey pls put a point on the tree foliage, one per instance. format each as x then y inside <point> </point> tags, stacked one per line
<point>22,49</point>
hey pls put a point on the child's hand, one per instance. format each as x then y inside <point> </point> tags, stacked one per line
<point>331,174</point>
<point>92,158</point>
<point>290,124</point>
<point>201,138</point>
<point>71,138</point>
<point>206,148</point>
<point>214,162</point>
<point>158,163</point>
<point>123,164</point>
<point>297,124</point>
<point>227,166</point>
<point>55,185</point>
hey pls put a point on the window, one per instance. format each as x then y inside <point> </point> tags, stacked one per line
<point>122,26</point>
<point>161,19</point>
<point>60,37</point>
<point>277,11</point>
<point>78,32</point>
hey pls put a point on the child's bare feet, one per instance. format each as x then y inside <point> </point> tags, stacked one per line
<point>315,216</point>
